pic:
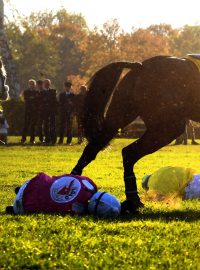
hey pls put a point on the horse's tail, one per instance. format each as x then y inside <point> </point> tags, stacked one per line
<point>100,89</point>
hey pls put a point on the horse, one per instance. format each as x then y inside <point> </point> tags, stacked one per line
<point>163,90</point>
<point>4,89</point>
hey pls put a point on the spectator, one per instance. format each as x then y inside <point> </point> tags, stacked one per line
<point>3,129</point>
<point>40,123</point>
<point>48,110</point>
<point>183,138</point>
<point>31,111</point>
<point>66,104</point>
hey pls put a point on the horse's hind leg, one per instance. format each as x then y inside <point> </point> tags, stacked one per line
<point>154,138</point>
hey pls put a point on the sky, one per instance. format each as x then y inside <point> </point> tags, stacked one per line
<point>130,13</point>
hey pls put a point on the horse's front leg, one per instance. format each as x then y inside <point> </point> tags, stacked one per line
<point>153,139</point>
<point>89,153</point>
<point>92,149</point>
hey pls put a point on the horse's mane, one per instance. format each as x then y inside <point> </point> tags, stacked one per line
<point>100,88</point>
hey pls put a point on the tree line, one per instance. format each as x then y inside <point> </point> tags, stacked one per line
<point>59,45</point>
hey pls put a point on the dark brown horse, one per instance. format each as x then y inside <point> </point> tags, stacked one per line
<point>164,91</point>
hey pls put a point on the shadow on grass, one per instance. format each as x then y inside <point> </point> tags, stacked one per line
<point>187,215</point>
<point>11,144</point>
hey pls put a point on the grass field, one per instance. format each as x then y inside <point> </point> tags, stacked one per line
<point>162,236</point>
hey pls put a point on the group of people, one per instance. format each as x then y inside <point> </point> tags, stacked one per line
<point>41,106</point>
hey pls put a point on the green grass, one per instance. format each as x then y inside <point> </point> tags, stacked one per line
<point>162,236</point>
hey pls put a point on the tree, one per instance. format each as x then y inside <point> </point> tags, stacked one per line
<point>69,35</point>
<point>142,44</point>
<point>102,47</point>
<point>48,45</point>
<point>187,40</point>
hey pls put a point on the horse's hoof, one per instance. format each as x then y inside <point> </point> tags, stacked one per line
<point>131,206</point>
<point>10,210</point>
<point>76,172</point>
<point>17,190</point>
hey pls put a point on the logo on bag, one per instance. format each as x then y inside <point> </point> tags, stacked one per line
<point>65,189</point>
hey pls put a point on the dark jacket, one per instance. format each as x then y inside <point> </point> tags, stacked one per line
<point>66,102</point>
<point>48,101</point>
<point>31,99</point>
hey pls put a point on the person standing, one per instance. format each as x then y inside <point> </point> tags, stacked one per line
<point>189,128</point>
<point>183,138</point>
<point>79,110</point>
<point>31,111</point>
<point>40,122</point>
<point>66,105</point>
<point>48,110</point>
